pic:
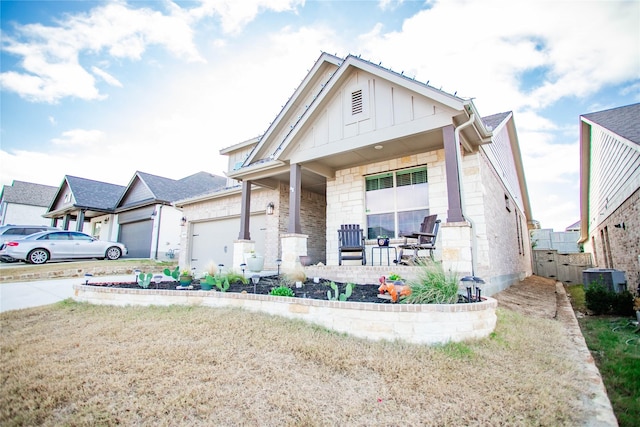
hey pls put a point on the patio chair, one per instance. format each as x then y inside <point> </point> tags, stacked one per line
<point>351,243</point>
<point>423,240</point>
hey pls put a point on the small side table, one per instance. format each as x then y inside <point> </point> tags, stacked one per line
<point>380,249</point>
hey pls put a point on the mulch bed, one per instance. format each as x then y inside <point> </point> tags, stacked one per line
<point>309,289</point>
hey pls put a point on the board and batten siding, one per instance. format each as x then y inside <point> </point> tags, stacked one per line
<point>136,193</point>
<point>614,173</point>
<point>385,105</point>
<point>500,155</point>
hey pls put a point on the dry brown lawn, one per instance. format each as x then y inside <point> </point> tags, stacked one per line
<point>79,364</point>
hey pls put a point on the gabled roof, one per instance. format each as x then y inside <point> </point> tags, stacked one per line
<point>167,190</point>
<point>199,183</point>
<point>94,194</point>
<point>327,74</point>
<point>623,121</point>
<point>28,193</point>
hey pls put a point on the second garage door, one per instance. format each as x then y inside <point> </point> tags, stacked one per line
<point>212,241</point>
<point>136,236</point>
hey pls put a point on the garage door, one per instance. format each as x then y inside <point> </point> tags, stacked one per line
<point>136,236</point>
<point>212,241</point>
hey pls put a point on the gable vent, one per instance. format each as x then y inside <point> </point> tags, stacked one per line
<point>356,102</point>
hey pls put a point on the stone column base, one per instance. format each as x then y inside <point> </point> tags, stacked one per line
<point>240,248</point>
<point>293,246</point>
<point>456,247</point>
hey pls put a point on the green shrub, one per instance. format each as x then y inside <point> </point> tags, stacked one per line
<point>622,304</point>
<point>433,286</point>
<point>281,291</point>
<point>598,298</point>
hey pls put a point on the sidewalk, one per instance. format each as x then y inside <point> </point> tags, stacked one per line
<point>18,295</point>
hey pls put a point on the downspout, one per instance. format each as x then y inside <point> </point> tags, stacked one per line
<point>158,220</point>
<point>474,243</point>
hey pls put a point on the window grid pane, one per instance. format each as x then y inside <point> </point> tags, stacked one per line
<point>380,225</point>
<point>379,182</point>
<point>410,221</point>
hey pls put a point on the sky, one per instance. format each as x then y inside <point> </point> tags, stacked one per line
<point>102,89</point>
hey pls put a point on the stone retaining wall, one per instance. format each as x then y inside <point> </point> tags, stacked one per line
<point>414,323</point>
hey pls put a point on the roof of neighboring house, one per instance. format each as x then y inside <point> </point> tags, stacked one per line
<point>94,194</point>
<point>623,121</point>
<point>574,227</point>
<point>28,193</point>
<point>199,183</point>
<point>492,121</point>
<point>169,190</point>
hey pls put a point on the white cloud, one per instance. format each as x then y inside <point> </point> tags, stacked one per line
<point>52,70</point>
<point>483,50</point>
<point>389,4</point>
<point>234,15</point>
<point>80,137</point>
<point>108,78</point>
<point>50,55</point>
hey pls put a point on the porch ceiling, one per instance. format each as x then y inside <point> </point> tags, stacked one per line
<point>74,212</point>
<point>315,172</point>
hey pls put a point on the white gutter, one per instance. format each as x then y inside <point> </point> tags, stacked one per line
<point>474,243</point>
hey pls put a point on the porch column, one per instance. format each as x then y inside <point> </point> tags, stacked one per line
<point>295,186</point>
<point>65,221</point>
<point>293,243</point>
<point>80,220</point>
<point>245,210</point>
<point>451,153</point>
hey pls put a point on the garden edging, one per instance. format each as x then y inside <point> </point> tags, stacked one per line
<point>414,323</point>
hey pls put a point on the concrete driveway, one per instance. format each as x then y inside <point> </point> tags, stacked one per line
<point>14,296</point>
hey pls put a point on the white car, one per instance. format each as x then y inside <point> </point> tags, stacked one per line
<point>41,247</point>
<point>12,232</point>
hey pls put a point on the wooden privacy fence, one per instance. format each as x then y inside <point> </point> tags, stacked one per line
<point>566,268</point>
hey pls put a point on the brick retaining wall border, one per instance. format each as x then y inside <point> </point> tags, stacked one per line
<point>414,323</point>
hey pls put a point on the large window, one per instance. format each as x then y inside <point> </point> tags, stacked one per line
<point>396,202</point>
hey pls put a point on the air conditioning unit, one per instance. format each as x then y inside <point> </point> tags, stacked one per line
<point>613,280</point>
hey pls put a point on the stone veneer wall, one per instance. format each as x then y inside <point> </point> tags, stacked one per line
<point>501,257</point>
<point>313,213</point>
<point>624,243</point>
<point>229,206</point>
<point>346,196</point>
<point>414,323</point>
<point>491,229</point>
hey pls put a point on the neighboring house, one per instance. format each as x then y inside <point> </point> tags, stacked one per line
<point>25,203</point>
<point>360,144</point>
<point>573,227</point>
<point>150,226</point>
<point>81,203</point>
<point>610,189</point>
<point>139,215</point>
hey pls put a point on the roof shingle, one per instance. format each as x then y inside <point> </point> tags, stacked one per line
<point>623,121</point>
